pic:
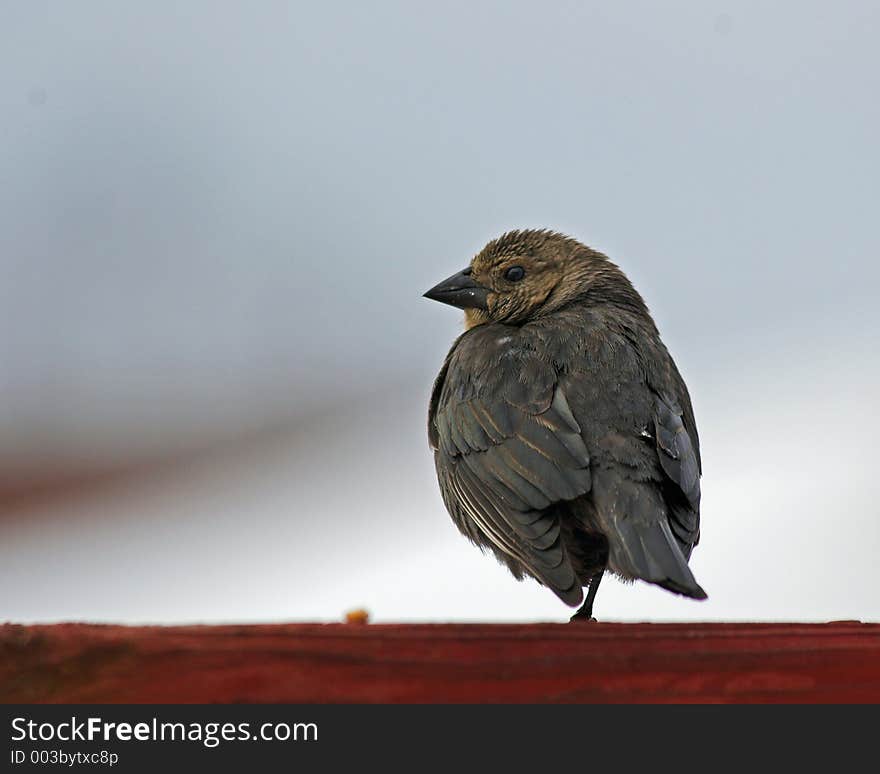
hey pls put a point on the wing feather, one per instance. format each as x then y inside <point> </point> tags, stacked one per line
<point>678,459</point>
<point>505,455</point>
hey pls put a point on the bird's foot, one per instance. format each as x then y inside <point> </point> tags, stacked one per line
<point>585,613</point>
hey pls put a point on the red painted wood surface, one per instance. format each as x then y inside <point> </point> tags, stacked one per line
<point>304,663</point>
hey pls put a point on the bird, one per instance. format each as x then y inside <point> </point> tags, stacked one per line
<point>563,434</point>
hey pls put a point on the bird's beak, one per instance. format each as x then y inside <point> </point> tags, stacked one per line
<point>461,291</point>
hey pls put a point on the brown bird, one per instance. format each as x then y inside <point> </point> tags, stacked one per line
<point>563,433</point>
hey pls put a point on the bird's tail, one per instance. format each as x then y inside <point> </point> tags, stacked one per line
<point>649,550</point>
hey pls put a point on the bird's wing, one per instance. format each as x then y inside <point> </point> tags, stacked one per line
<point>645,470</point>
<point>507,446</point>
<point>645,482</point>
<point>679,458</point>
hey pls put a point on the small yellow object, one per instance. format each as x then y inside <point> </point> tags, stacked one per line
<point>359,616</point>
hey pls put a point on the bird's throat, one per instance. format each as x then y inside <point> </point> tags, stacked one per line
<point>474,317</point>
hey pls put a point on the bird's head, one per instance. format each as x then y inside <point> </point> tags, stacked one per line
<point>526,274</point>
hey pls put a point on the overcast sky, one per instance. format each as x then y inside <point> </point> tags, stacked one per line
<point>217,215</point>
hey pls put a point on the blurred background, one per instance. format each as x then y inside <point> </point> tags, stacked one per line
<point>216,223</point>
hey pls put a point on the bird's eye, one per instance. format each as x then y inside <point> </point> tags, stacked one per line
<point>514,274</point>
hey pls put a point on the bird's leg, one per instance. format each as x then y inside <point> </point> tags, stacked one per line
<point>586,611</point>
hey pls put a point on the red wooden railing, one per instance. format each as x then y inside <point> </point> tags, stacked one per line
<point>304,663</point>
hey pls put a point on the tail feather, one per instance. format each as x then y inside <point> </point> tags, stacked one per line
<point>650,551</point>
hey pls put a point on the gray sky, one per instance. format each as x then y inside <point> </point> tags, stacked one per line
<point>215,216</point>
